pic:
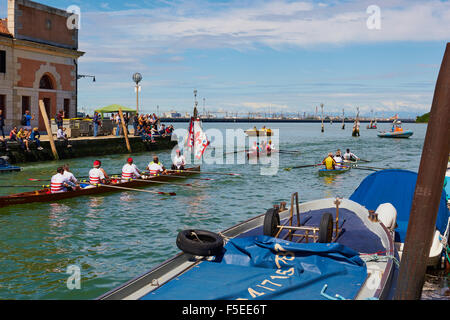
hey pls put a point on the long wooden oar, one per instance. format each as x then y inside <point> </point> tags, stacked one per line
<point>299,167</point>
<point>163,182</point>
<point>181,177</point>
<point>203,172</point>
<point>24,186</point>
<point>376,168</point>
<point>364,169</point>
<point>132,189</point>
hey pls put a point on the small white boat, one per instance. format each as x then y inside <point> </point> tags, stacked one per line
<point>259,133</point>
<point>327,249</point>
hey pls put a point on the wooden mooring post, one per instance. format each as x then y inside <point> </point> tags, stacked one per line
<point>48,128</point>
<point>124,128</point>
<point>430,181</point>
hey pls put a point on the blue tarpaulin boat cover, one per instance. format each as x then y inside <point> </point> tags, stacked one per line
<point>267,268</point>
<point>396,187</point>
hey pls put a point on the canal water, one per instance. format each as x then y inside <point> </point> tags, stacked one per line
<point>115,237</point>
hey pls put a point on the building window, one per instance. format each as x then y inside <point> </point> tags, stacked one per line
<point>67,108</point>
<point>2,61</point>
<point>26,104</point>
<point>3,104</point>
<point>46,82</point>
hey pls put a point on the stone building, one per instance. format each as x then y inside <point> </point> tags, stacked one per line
<point>38,61</point>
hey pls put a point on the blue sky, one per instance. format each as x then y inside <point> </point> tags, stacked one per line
<point>256,56</point>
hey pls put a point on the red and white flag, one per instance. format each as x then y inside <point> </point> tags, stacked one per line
<point>197,139</point>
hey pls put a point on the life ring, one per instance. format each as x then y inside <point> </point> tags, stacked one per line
<point>326,228</point>
<point>200,242</point>
<point>271,222</point>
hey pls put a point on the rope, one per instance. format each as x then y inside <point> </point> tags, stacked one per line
<point>195,235</point>
<point>377,258</point>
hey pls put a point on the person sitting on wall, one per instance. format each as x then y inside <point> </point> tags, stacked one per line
<point>3,144</point>
<point>13,134</point>
<point>34,136</point>
<point>22,138</point>
<point>61,135</point>
<point>162,131</point>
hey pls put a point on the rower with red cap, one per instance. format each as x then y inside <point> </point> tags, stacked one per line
<point>97,175</point>
<point>179,161</point>
<point>130,171</point>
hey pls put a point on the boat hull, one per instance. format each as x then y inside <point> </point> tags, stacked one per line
<point>325,172</point>
<point>381,269</point>
<point>255,155</point>
<point>398,135</point>
<point>259,133</point>
<point>10,169</point>
<point>44,196</point>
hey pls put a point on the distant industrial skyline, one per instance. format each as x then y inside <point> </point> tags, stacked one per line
<point>256,56</point>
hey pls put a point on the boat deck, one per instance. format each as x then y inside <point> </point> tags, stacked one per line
<point>354,234</point>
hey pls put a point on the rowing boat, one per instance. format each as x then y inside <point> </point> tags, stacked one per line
<point>259,133</point>
<point>326,172</point>
<point>270,257</point>
<point>44,195</point>
<point>6,167</point>
<point>399,134</point>
<point>253,155</point>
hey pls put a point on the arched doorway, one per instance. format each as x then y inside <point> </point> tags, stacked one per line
<point>47,93</point>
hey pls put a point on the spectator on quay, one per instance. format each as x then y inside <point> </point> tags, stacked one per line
<point>60,118</point>
<point>61,135</point>
<point>34,136</point>
<point>135,123</point>
<point>96,122</point>
<point>3,144</point>
<point>162,131</point>
<point>126,119</point>
<point>2,123</point>
<point>13,134</point>
<point>169,130</point>
<point>26,120</point>
<point>22,138</point>
<point>118,121</point>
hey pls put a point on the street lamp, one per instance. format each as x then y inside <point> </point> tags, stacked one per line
<point>137,77</point>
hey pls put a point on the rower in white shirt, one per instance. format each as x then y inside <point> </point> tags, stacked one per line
<point>338,157</point>
<point>96,174</point>
<point>59,183</point>
<point>69,175</point>
<point>179,161</point>
<point>155,167</point>
<point>350,156</point>
<point>130,171</point>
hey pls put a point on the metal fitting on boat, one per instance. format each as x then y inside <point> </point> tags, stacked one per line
<point>373,216</point>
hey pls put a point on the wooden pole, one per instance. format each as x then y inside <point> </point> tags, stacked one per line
<point>430,181</point>
<point>137,97</point>
<point>323,128</point>
<point>48,128</point>
<point>124,128</point>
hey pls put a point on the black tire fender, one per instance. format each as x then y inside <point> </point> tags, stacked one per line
<point>271,222</point>
<point>200,242</point>
<point>326,228</point>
